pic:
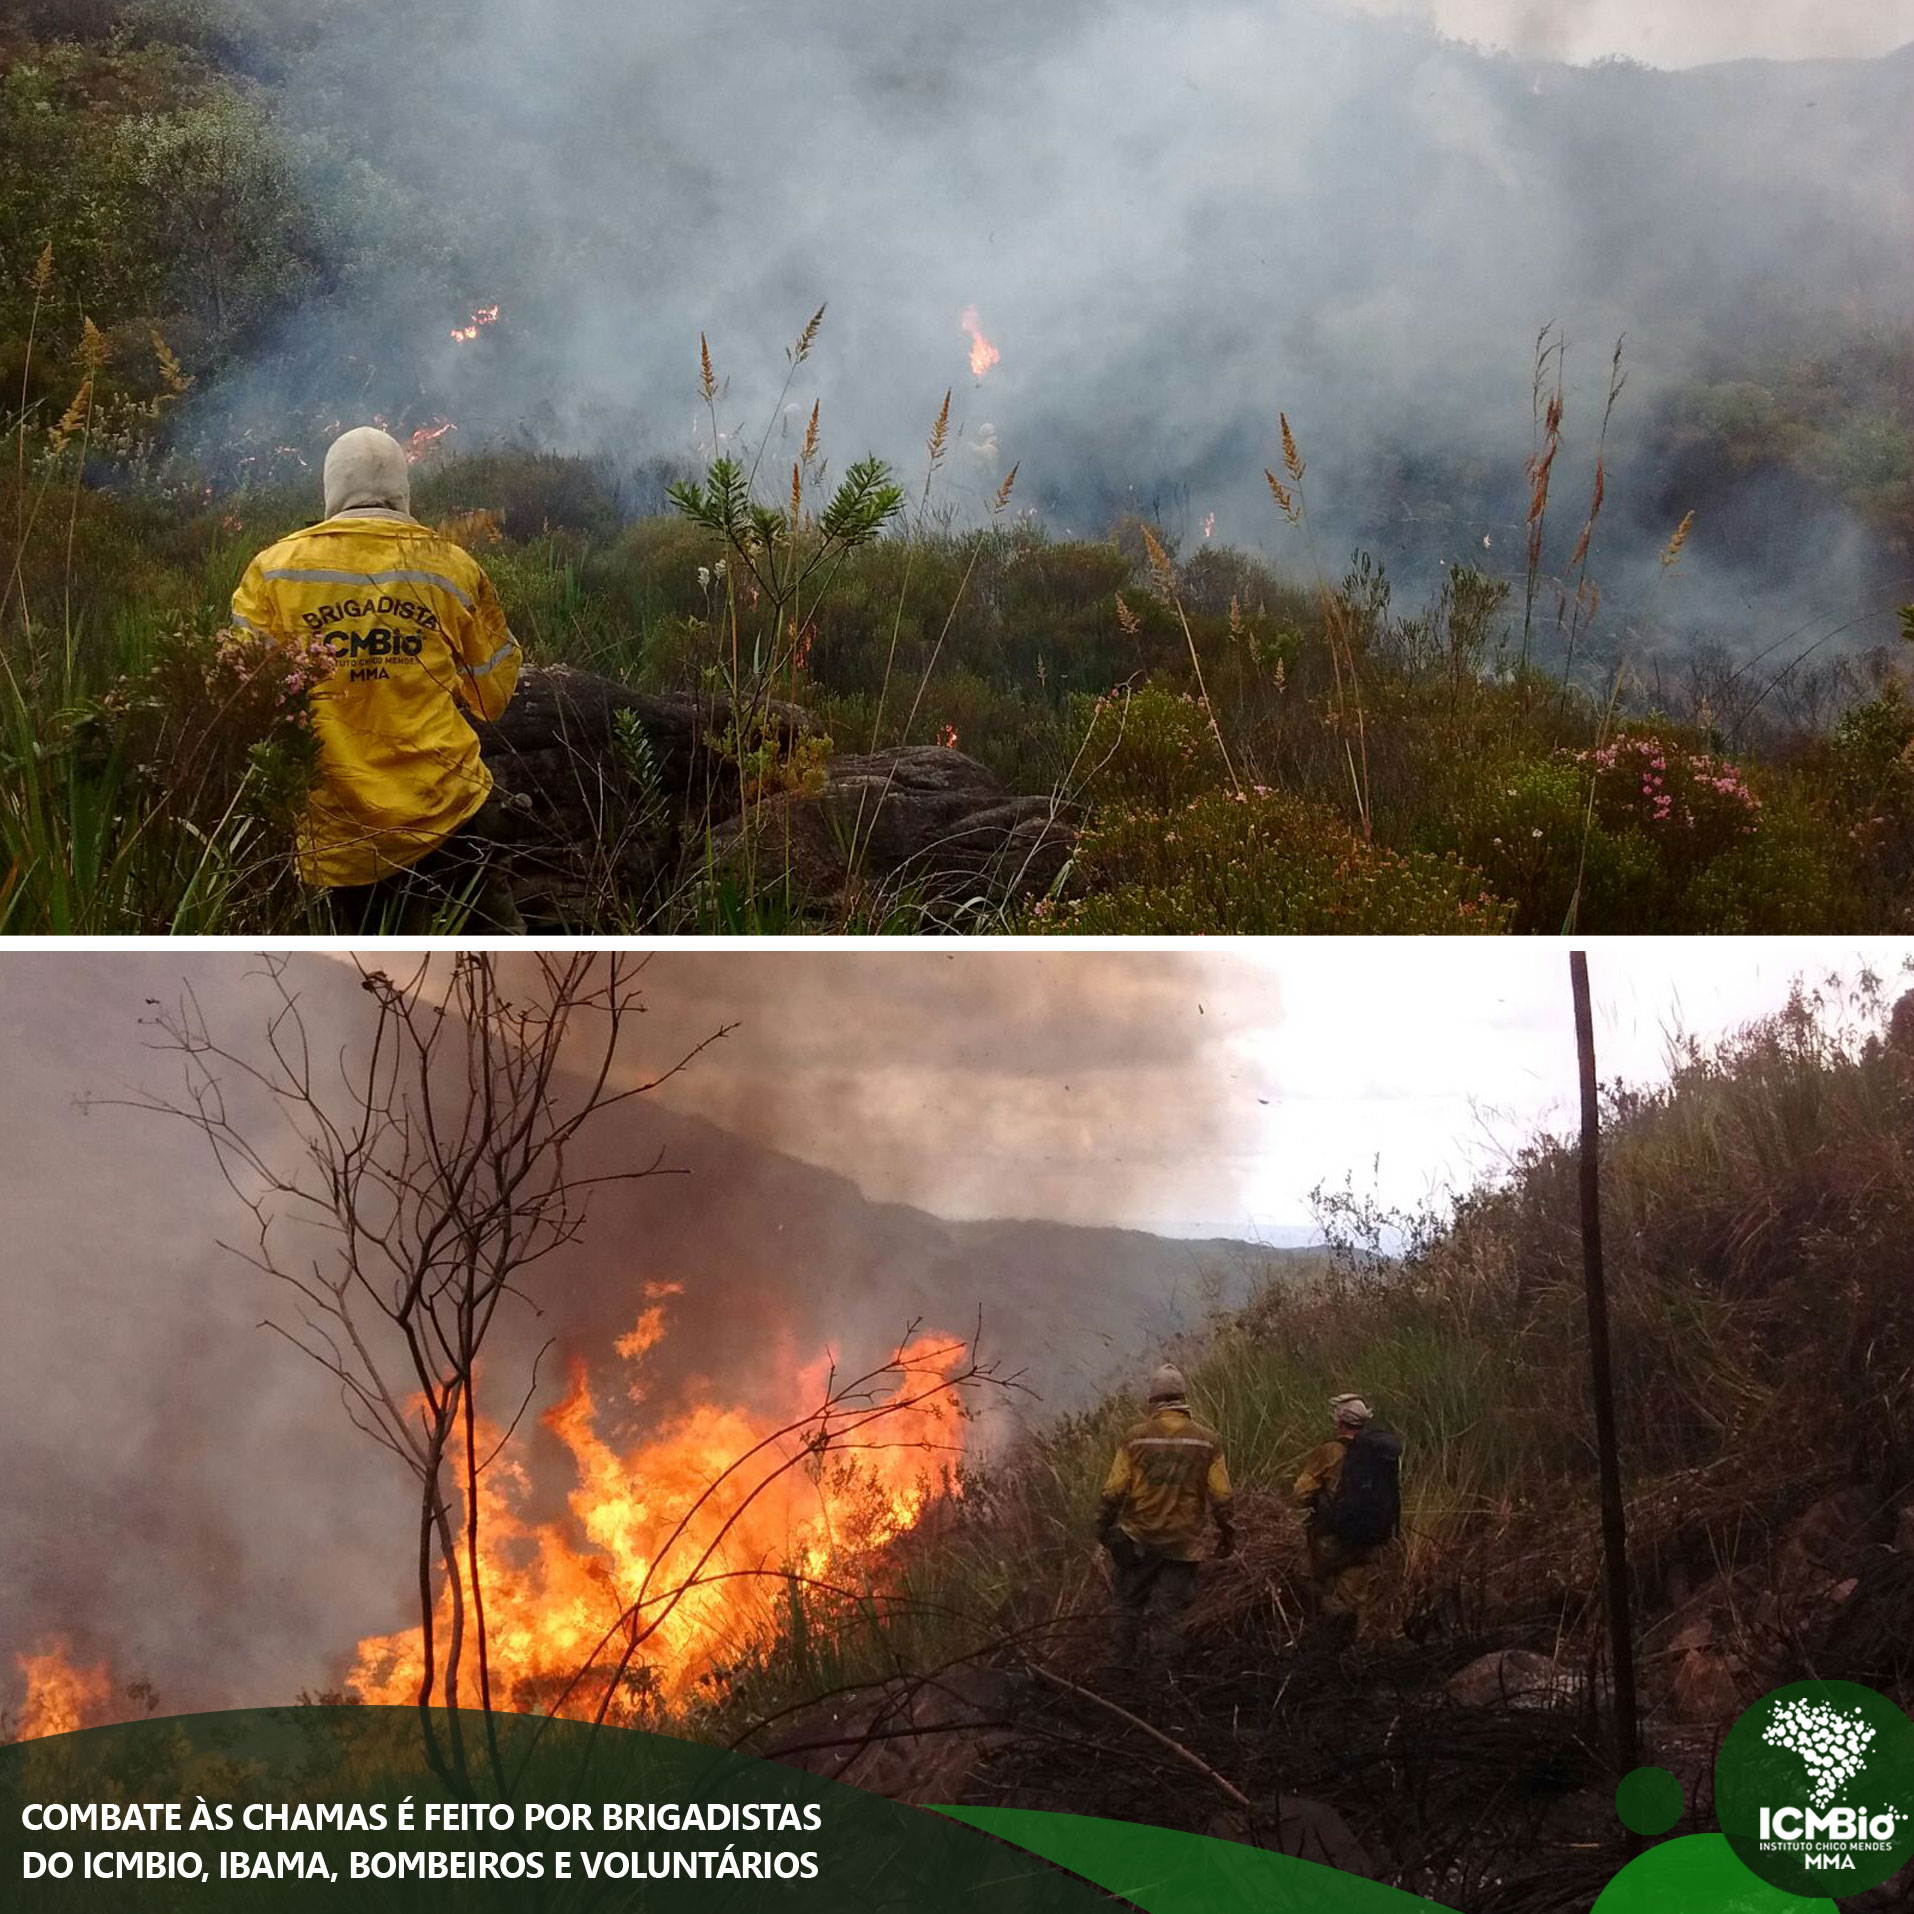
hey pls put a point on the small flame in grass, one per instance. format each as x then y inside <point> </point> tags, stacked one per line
<point>947,736</point>
<point>485,316</point>
<point>426,439</point>
<point>1209,524</point>
<point>61,1697</point>
<point>983,355</point>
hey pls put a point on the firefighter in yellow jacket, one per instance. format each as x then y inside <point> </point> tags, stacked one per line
<point>1350,1492</point>
<point>417,639</point>
<point>1168,1482</point>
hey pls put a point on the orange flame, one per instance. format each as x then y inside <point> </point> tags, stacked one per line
<point>947,736</point>
<point>983,355</point>
<point>649,1330</point>
<point>485,316</point>
<point>680,1543</point>
<point>425,439</point>
<point>61,1697</point>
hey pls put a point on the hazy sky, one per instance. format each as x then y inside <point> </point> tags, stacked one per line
<point>1191,1092</point>
<point>1662,35</point>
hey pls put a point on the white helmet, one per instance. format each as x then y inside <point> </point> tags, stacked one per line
<point>1167,1385</point>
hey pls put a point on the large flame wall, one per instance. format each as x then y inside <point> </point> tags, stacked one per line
<point>679,1543</point>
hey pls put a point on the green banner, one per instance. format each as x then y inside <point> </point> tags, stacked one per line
<point>340,1808</point>
<point>356,1808</point>
<point>348,1808</point>
<point>1165,1872</point>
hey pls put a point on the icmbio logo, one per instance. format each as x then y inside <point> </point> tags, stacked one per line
<point>1815,1788</point>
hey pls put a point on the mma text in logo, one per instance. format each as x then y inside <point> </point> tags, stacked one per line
<point>1815,1788</point>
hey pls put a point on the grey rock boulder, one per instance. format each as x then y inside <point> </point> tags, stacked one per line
<point>608,797</point>
<point>924,820</point>
<point>1513,1678</point>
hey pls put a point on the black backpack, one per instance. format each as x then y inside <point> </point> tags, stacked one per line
<point>1366,1509</point>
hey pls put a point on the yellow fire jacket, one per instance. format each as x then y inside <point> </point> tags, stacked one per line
<point>415,630</point>
<point>1168,1477</point>
<point>1322,1471</point>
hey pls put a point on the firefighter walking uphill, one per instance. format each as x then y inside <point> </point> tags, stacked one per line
<point>1350,1492</point>
<point>1167,1483</point>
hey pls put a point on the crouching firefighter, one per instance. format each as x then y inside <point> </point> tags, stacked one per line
<point>415,640</point>
<point>1167,1483</point>
<point>1350,1491</point>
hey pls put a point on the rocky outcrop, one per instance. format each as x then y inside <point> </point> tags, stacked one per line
<point>1745,1630</point>
<point>925,822</point>
<point>609,798</point>
<point>1513,1678</point>
<point>1707,1687</point>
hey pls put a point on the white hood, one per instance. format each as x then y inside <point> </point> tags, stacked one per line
<point>366,471</point>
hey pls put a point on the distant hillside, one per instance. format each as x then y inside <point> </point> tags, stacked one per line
<point>1376,257</point>
<point>758,1237</point>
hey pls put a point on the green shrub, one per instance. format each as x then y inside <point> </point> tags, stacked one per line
<point>1642,834</point>
<point>1526,824</point>
<point>1259,864</point>
<point>1868,751</point>
<point>222,209</point>
<point>216,725</point>
<point>1695,802</point>
<point>1792,876</point>
<point>1148,750</point>
<point>167,803</point>
<point>530,493</point>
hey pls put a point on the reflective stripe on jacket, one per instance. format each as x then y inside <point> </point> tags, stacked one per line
<point>1168,1479</point>
<point>416,631</point>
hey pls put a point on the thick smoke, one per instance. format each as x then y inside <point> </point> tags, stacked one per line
<point>1084,1088</point>
<point>1664,36</point>
<point>1172,221</point>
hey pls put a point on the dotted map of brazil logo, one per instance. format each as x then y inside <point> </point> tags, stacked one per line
<point>1814,1787</point>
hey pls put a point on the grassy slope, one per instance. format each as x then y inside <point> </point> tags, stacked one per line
<point>1411,777</point>
<point>1759,1215</point>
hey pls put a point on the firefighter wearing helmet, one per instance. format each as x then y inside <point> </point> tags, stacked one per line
<point>1167,1484</point>
<point>414,640</point>
<point>1350,1492</point>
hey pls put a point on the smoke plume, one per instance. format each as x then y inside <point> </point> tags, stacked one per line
<point>1169,222</point>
